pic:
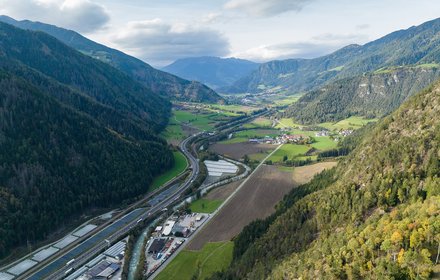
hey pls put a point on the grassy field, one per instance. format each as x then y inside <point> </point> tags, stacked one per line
<point>173,131</point>
<point>258,156</point>
<point>179,166</point>
<point>205,205</point>
<point>245,135</point>
<point>201,121</point>
<point>287,100</point>
<point>233,108</point>
<point>290,150</point>
<point>212,258</point>
<point>287,122</point>
<point>234,140</point>
<point>324,143</point>
<point>351,122</point>
<point>259,123</point>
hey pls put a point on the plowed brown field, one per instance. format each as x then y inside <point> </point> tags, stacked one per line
<point>238,150</point>
<point>256,199</point>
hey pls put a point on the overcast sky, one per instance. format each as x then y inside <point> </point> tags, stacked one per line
<point>161,31</point>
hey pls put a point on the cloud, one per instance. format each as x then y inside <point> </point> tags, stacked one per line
<point>211,18</point>
<point>264,8</point>
<point>315,47</point>
<point>79,15</point>
<point>160,43</point>
<point>362,26</point>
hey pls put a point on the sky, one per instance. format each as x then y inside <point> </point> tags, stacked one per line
<point>162,31</point>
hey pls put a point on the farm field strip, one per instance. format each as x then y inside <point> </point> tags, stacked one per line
<point>211,258</point>
<point>209,218</point>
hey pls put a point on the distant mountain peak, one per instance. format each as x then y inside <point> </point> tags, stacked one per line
<point>214,71</point>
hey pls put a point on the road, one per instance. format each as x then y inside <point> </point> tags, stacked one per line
<point>215,213</point>
<point>86,248</point>
<point>84,251</point>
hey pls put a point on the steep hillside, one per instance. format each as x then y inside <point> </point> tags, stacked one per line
<point>371,95</point>
<point>375,216</point>
<point>57,163</point>
<point>99,81</point>
<point>75,134</point>
<point>216,72</point>
<point>157,81</point>
<point>416,45</point>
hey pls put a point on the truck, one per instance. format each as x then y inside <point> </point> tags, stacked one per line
<point>70,262</point>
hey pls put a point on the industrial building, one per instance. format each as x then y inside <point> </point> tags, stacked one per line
<point>156,246</point>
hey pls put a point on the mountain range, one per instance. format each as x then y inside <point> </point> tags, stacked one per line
<point>375,215</point>
<point>215,72</point>
<point>76,134</point>
<point>416,45</point>
<point>157,81</point>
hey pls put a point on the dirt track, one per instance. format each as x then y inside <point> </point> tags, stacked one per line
<point>256,199</point>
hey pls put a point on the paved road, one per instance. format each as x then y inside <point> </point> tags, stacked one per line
<point>87,249</point>
<point>212,215</point>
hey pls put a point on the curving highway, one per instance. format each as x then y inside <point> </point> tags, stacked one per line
<point>83,252</point>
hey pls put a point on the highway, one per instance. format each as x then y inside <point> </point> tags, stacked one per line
<point>86,250</point>
<point>55,267</point>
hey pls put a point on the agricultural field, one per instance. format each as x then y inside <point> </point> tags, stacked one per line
<point>303,174</point>
<point>349,123</point>
<point>287,123</point>
<point>203,205</point>
<point>259,123</point>
<point>289,150</point>
<point>258,157</point>
<point>223,192</point>
<point>183,123</point>
<point>237,109</point>
<point>173,133</point>
<point>202,121</point>
<point>239,150</point>
<point>180,164</point>
<point>286,100</point>
<point>200,264</point>
<point>213,199</point>
<point>324,143</point>
<point>245,135</point>
<point>256,199</point>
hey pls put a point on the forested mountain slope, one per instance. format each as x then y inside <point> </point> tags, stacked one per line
<point>371,95</point>
<point>98,80</point>
<point>75,134</point>
<point>375,216</point>
<point>157,81</point>
<point>416,45</point>
<point>216,72</point>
